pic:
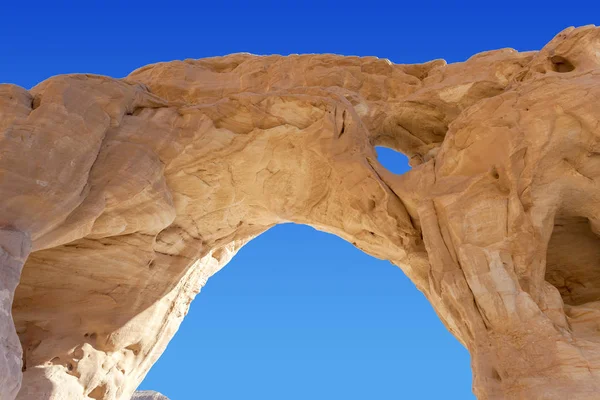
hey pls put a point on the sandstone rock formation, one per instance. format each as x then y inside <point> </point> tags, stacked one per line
<point>121,197</point>
<point>148,395</point>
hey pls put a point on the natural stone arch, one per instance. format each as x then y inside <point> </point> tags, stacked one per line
<point>238,196</point>
<point>296,305</point>
<point>131,193</point>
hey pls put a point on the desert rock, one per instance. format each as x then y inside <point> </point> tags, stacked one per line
<point>121,197</point>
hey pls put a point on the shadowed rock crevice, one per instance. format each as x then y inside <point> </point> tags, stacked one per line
<point>573,260</point>
<point>561,64</point>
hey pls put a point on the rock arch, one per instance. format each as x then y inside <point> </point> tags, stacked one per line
<point>121,197</point>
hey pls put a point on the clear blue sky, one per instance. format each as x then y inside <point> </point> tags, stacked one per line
<point>298,314</point>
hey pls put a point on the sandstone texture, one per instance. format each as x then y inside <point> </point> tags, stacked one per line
<point>121,197</point>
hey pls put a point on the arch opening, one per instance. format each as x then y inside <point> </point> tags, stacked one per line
<point>394,161</point>
<point>300,312</point>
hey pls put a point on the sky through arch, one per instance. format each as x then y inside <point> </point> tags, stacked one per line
<point>301,314</point>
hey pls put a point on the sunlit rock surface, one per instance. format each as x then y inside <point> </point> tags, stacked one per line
<point>121,197</point>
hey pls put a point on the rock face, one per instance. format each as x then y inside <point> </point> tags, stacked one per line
<point>121,197</point>
<point>148,395</point>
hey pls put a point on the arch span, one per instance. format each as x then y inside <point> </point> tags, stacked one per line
<point>299,314</point>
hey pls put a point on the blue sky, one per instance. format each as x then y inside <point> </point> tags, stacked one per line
<point>298,314</point>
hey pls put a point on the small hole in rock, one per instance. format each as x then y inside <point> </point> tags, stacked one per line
<point>496,375</point>
<point>495,173</point>
<point>372,205</point>
<point>36,102</point>
<point>561,64</point>
<point>392,160</point>
<point>135,348</point>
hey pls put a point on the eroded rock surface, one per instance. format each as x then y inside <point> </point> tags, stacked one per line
<point>125,195</point>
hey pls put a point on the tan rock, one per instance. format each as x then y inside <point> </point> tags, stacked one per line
<point>133,192</point>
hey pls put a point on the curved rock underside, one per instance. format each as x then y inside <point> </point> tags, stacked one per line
<point>121,197</point>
